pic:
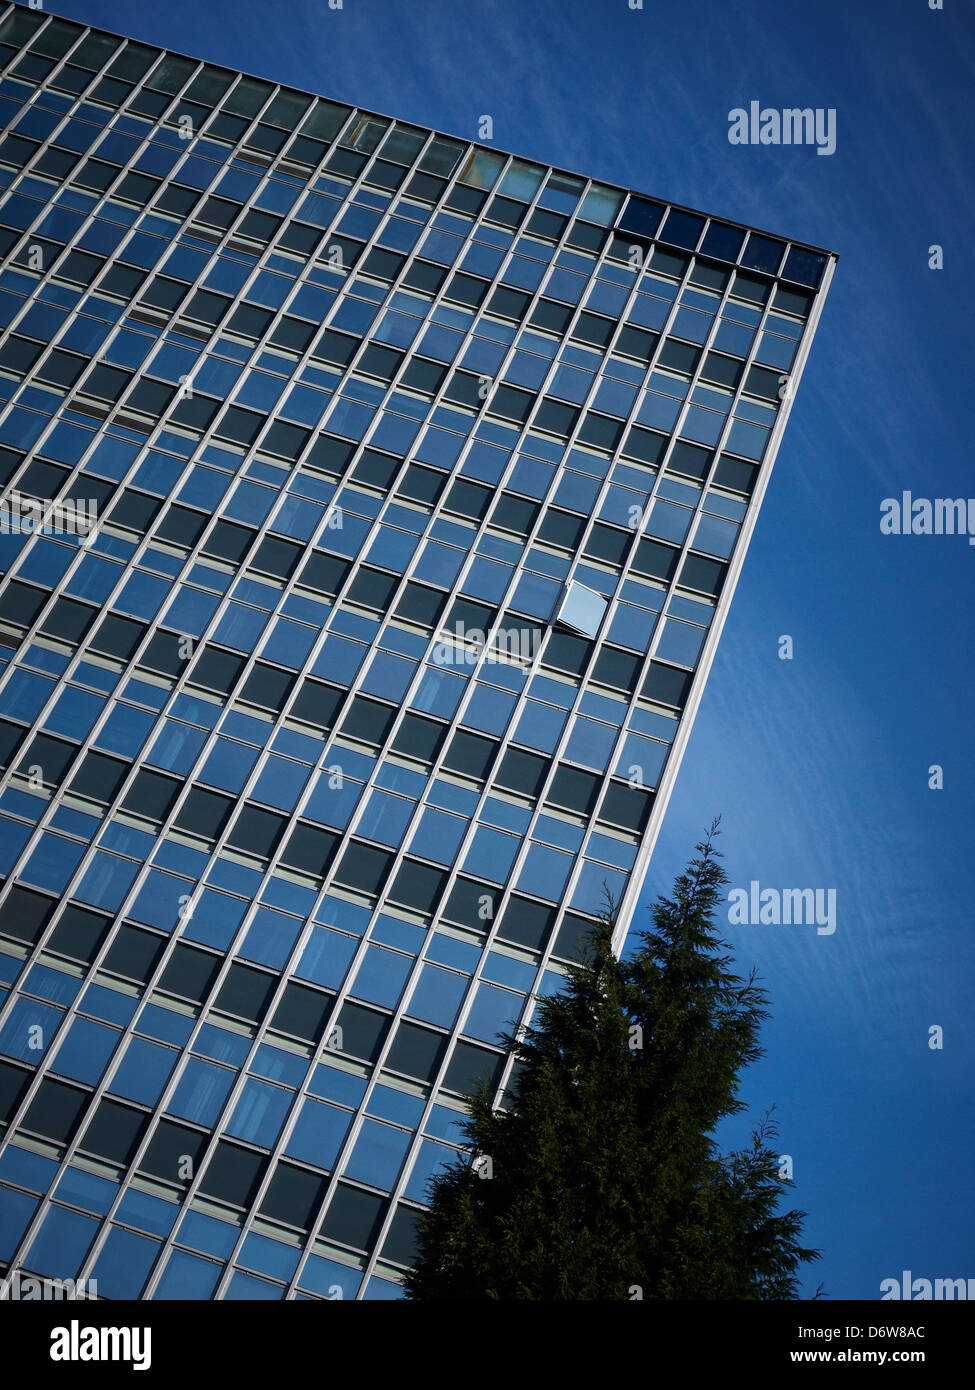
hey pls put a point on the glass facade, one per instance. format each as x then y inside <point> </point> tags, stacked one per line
<point>372,504</point>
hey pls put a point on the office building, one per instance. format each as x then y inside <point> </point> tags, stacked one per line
<point>372,505</point>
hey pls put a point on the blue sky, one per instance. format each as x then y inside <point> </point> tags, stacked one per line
<point>819,765</point>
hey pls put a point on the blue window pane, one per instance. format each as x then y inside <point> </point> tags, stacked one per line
<point>60,1246</point>
<point>75,713</point>
<point>385,818</point>
<point>491,854</point>
<point>438,836</point>
<point>216,917</point>
<point>439,564</point>
<point>489,709</point>
<point>329,1278</point>
<point>148,1213</point>
<point>123,1266</point>
<point>16,1212</point>
<point>590,744</point>
<point>632,627</point>
<point>27,1169</point>
<point>106,881</point>
<point>289,643</point>
<point>158,901</point>
<point>545,872</point>
<point>52,863</point>
<point>281,783</point>
<point>228,765</point>
<point>388,675</point>
<point>187,1277</point>
<point>143,595</point>
<point>319,1133</point>
<point>270,938</point>
<point>260,1113</point>
<point>125,730</point>
<point>589,894</point>
<point>12,841</point>
<point>494,1011</point>
<point>29,1030</point>
<point>191,610</point>
<point>643,757</point>
<point>207,1233</point>
<point>86,1190</point>
<point>24,695</point>
<point>381,976</point>
<point>440,693</point>
<point>432,1159</point>
<point>378,1154</point>
<point>269,1257</point>
<point>143,1071</point>
<point>86,1050</point>
<point>437,995</point>
<point>326,958</point>
<point>201,1092</point>
<point>339,660</point>
<point>246,1286</point>
<point>382,1291</point>
<point>680,642</point>
<point>240,627</point>
<point>540,726</point>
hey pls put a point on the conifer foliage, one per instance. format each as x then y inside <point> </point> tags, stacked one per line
<point>599,1176</point>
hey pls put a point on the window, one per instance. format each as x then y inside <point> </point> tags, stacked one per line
<point>79,933</point>
<point>190,973</point>
<point>364,867</point>
<point>418,886</point>
<point>204,813</point>
<point>362,1031</point>
<point>372,589</point>
<point>666,685</point>
<point>246,992</point>
<point>574,790</point>
<point>470,755</point>
<point>617,669</point>
<point>151,795</point>
<point>114,1131</point>
<point>118,637</point>
<point>98,777</point>
<point>628,807</point>
<point>267,687</point>
<point>215,669</point>
<point>582,609</point>
<point>56,1111</point>
<point>302,1012</point>
<point>233,1174</point>
<point>294,1196</point>
<point>522,772</point>
<point>256,831</point>
<point>526,923</point>
<point>419,738</point>
<point>367,721</point>
<point>51,755</point>
<point>317,704</point>
<point>567,653</point>
<point>134,953</point>
<point>354,1218</point>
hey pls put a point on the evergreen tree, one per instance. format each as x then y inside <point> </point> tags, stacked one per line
<point>600,1177</point>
